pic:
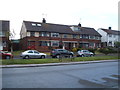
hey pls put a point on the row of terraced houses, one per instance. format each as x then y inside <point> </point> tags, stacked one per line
<point>44,36</point>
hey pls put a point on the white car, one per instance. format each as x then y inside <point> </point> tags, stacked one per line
<point>32,54</point>
<point>85,53</point>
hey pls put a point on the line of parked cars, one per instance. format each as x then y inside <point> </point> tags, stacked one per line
<point>55,53</point>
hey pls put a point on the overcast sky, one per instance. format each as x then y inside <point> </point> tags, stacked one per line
<point>90,13</point>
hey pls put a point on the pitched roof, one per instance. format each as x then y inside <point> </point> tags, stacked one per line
<point>88,30</point>
<point>48,27</point>
<point>111,31</point>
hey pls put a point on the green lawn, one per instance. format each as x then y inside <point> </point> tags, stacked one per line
<point>54,60</point>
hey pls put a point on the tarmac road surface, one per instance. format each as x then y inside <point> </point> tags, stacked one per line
<point>92,75</point>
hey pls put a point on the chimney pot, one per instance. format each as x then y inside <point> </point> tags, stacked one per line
<point>44,21</point>
<point>79,25</point>
<point>109,28</point>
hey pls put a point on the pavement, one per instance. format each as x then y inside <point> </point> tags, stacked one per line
<point>54,64</point>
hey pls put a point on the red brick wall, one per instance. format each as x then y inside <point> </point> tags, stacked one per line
<point>24,42</point>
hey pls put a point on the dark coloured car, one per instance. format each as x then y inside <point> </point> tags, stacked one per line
<point>5,55</point>
<point>57,53</point>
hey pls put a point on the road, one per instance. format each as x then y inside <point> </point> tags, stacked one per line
<point>93,75</point>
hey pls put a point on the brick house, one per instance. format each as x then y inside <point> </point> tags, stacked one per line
<point>46,36</point>
<point>109,36</point>
<point>4,35</point>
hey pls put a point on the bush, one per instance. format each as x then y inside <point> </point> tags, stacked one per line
<point>107,50</point>
<point>92,50</point>
<point>74,50</point>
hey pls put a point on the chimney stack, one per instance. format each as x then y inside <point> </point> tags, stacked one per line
<point>109,28</point>
<point>79,25</point>
<point>43,21</point>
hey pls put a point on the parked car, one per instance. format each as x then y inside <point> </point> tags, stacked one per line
<point>32,54</point>
<point>5,55</point>
<point>56,53</point>
<point>84,53</point>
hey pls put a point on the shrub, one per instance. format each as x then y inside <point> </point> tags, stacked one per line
<point>74,49</point>
<point>92,50</point>
<point>107,50</point>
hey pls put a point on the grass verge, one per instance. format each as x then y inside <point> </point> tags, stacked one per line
<point>51,60</point>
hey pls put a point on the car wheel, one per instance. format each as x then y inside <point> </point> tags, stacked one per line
<point>91,55</point>
<point>82,55</point>
<point>57,56</point>
<point>26,57</point>
<point>71,56</point>
<point>42,57</point>
<point>7,57</point>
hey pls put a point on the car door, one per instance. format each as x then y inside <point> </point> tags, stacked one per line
<point>86,52</point>
<point>30,54</point>
<point>61,52</point>
<point>65,52</point>
<point>36,54</point>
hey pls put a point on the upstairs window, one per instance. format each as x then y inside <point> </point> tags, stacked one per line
<point>32,33</point>
<point>54,34</point>
<point>97,37</point>
<point>44,34</point>
<point>110,35</point>
<point>74,36</point>
<point>85,36</point>
<point>65,35</point>
<point>92,37</point>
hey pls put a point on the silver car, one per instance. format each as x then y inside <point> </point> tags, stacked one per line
<point>85,53</point>
<point>32,54</point>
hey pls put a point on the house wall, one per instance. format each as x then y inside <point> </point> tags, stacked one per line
<point>43,41</point>
<point>68,43</point>
<point>106,39</point>
<point>23,32</point>
<point>113,39</point>
<point>104,35</point>
<point>4,38</point>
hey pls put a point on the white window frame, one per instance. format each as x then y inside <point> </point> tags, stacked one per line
<point>53,42</point>
<point>91,36</point>
<point>65,35</point>
<point>44,34</point>
<point>110,35</point>
<point>55,35</point>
